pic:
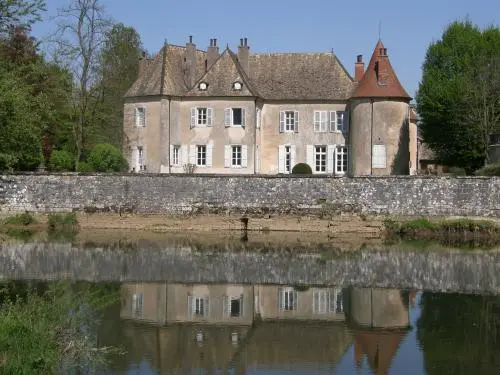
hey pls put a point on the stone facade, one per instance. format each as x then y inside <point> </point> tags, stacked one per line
<point>251,195</point>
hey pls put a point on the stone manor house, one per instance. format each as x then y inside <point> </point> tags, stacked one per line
<point>193,111</point>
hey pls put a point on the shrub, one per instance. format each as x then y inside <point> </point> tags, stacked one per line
<point>84,167</point>
<point>61,160</point>
<point>7,162</point>
<point>65,221</point>
<point>107,158</point>
<point>21,219</point>
<point>302,168</point>
<point>489,170</point>
<point>457,171</point>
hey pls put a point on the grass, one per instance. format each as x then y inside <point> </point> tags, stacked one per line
<point>63,221</point>
<point>20,219</point>
<point>489,170</point>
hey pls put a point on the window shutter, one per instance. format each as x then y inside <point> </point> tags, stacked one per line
<point>144,117</point>
<point>244,156</point>
<point>227,156</point>
<point>330,158</point>
<point>193,118</point>
<point>171,158</point>
<point>296,124</point>
<point>333,121</point>
<point>315,301</point>
<point>241,306</point>
<point>210,147</point>
<point>144,158</point>
<point>346,122</point>
<point>183,157</point>
<point>243,118</point>
<point>209,116</point>
<point>317,118</point>
<point>192,154</point>
<point>190,306</point>
<point>138,160</point>
<point>227,117</point>
<point>281,159</point>
<point>206,302</point>
<point>226,305</point>
<point>136,111</point>
<point>310,156</point>
<point>280,298</point>
<point>258,119</point>
<point>133,159</point>
<point>293,152</point>
<point>379,156</point>
<point>282,122</point>
<point>324,121</point>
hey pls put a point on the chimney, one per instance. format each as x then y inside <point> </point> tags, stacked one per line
<point>143,64</point>
<point>244,54</point>
<point>190,63</point>
<point>359,68</point>
<point>212,53</point>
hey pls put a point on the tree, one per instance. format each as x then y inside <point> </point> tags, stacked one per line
<point>119,69</point>
<point>458,96</point>
<point>20,13</point>
<point>107,158</point>
<point>79,37</point>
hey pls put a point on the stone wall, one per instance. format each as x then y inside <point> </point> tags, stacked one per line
<point>171,194</point>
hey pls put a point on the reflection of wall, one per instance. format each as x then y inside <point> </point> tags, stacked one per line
<point>144,302</point>
<point>312,303</point>
<point>379,308</point>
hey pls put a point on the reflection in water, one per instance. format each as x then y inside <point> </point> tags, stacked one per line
<point>176,328</point>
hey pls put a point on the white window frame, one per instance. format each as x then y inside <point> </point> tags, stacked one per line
<point>201,155</point>
<point>289,121</point>
<point>327,301</point>
<point>287,299</point>
<point>140,117</point>
<point>341,126</point>
<point>141,159</point>
<point>236,156</point>
<point>379,156</point>
<point>341,159</point>
<point>138,304</point>
<point>320,121</point>
<point>198,306</point>
<point>176,155</point>
<point>229,117</point>
<point>201,117</point>
<point>227,300</point>
<point>318,156</point>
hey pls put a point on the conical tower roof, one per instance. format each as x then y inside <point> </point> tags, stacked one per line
<point>380,80</point>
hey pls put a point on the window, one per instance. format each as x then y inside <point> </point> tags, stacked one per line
<point>176,150</point>
<point>320,158</point>
<point>198,307</point>
<point>201,155</point>
<point>288,159</point>
<point>341,160</point>
<point>201,116</point>
<point>340,121</point>
<point>236,156</point>
<point>237,86</point>
<point>203,86</point>
<point>289,121</point>
<point>327,301</point>
<point>379,157</point>
<point>138,304</point>
<point>233,306</point>
<point>287,299</point>
<point>234,117</point>
<point>140,161</point>
<point>320,121</point>
<point>140,116</point>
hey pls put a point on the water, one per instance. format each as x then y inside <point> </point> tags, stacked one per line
<point>182,309</point>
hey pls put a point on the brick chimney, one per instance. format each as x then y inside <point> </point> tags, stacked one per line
<point>359,68</point>
<point>190,63</point>
<point>212,53</point>
<point>244,54</point>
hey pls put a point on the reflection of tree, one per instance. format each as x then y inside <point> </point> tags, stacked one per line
<point>460,334</point>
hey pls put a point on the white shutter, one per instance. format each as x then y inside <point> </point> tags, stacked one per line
<point>258,120</point>
<point>281,159</point>
<point>192,154</point>
<point>330,158</point>
<point>227,117</point>
<point>193,117</point>
<point>280,299</point>
<point>209,116</point>
<point>190,307</point>
<point>206,302</point>
<point>226,305</point>
<point>310,156</point>
<point>296,124</point>
<point>293,153</point>
<point>243,117</point>
<point>379,158</point>
<point>138,161</point>
<point>227,156</point>
<point>171,158</point>
<point>133,158</point>
<point>346,122</point>
<point>144,159</point>
<point>209,154</point>
<point>244,156</point>
<point>183,158</point>
<point>333,121</point>
<point>317,117</point>
<point>282,121</point>
<point>144,117</point>
<point>324,121</point>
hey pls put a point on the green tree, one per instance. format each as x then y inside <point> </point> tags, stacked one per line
<point>107,158</point>
<point>20,13</point>
<point>458,96</point>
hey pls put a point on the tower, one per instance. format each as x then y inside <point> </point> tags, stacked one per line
<point>379,130</point>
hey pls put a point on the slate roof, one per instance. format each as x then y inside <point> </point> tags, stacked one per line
<point>380,80</point>
<point>273,76</point>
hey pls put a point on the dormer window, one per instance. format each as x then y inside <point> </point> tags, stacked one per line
<point>203,86</point>
<point>237,86</point>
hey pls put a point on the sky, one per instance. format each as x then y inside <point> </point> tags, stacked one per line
<point>349,27</point>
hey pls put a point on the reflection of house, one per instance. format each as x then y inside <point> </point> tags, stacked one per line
<point>379,320</point>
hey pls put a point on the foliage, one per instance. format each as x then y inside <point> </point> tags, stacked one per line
<point>51,329</point>
<point>489,170</point>
<point>21,219</point>
<point>107,158</point>
<point>458,96</point>
<point>457,226</point>
<point>20,13</point>
<point>84,167</point>
<point>62,221</point>
<point>301,168</point>
<point>61,160</point>
<point>457,171</point>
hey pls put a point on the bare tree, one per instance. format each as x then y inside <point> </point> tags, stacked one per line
<point>78,40</point>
